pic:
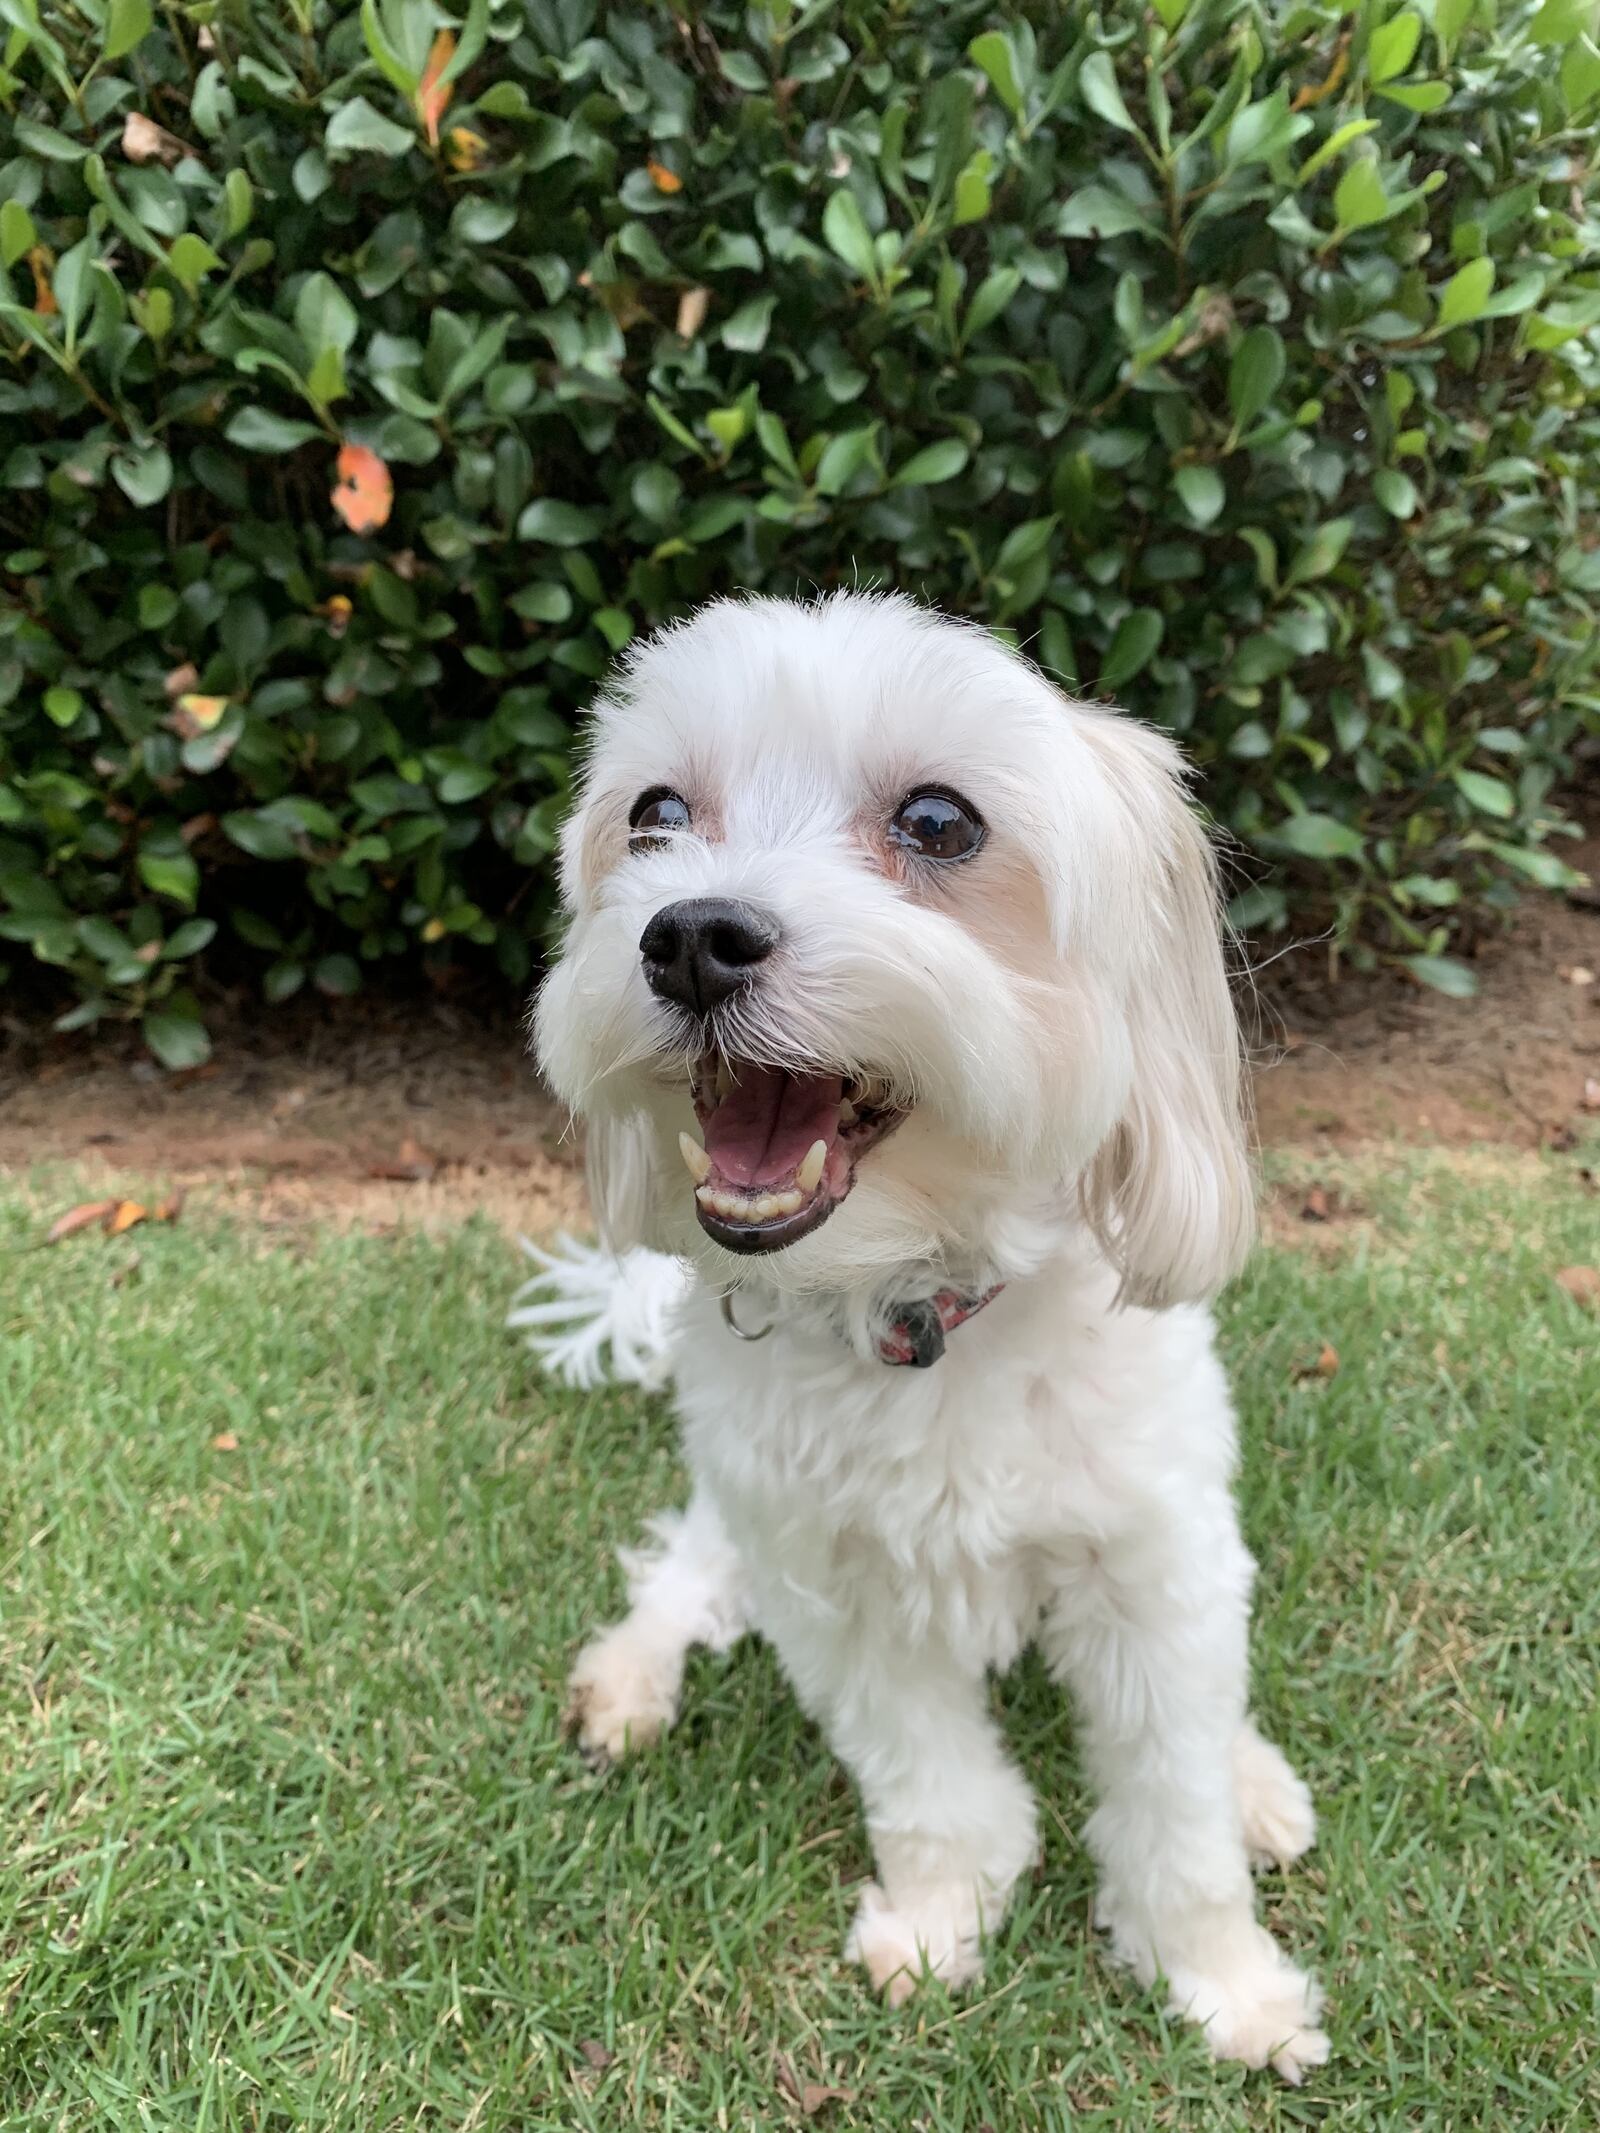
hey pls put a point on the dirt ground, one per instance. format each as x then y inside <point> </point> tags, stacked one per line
<point>410,1115</point>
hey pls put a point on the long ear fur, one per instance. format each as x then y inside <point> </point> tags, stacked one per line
<point>1171,1194</point>
<point>617,1166</point>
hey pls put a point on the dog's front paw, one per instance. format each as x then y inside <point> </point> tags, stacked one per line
<point>1261,2010</point>
<point>897,1949</point>
<point>622,1694</point>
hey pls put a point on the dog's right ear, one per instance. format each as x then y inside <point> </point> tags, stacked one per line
<point>617,1166</point>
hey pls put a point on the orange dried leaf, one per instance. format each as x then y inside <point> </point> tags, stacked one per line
<point>169,1209</point>
<point>225,1441</point>
<point>664,180</point>
<point>1307,96</point>
<point>197,714</point>
<point>42,259</point>
<point>465,149</point>
<point>83,1216</point>
<point>432,94</point>
<point>363,494</point>
<point>125,1215</point>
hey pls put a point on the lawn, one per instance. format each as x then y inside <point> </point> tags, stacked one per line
<point>296,1549</point>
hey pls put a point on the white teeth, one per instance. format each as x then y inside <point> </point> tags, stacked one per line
<point>848,1113</point>
<point>695,1159</point>
<point>750,1207</point>
<point>809,1176</point>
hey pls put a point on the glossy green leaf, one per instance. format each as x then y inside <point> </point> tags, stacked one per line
<point>1315,836</point>
<point>1098,87</point>
<point>1393,45</point>
<point>1255,373</point>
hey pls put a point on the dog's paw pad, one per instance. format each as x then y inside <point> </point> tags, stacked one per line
<point>619,1699</point>
<point>1279,1820</point>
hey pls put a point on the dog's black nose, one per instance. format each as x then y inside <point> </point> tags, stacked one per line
<point>700,953</point>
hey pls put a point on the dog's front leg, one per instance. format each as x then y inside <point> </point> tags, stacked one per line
<point>688,1589</point>
<point>950,1816</point>
<point>1151,1632</point>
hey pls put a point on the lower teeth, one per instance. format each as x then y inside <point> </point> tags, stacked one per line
<point>743,1207</point>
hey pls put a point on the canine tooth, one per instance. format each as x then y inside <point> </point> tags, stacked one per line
<point>695,1159</point>
<point>848,1113</point>
<point>788,1203</point>
<point>809,1176</point>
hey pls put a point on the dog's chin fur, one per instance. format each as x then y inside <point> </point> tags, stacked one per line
<point>1053,1018</point>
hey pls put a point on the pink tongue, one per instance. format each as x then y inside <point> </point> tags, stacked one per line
<point>761,1130</point>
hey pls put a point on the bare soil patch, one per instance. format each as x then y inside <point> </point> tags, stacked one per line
<point>1369,1059</point>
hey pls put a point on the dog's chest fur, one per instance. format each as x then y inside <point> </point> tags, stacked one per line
<point>958,1498</point>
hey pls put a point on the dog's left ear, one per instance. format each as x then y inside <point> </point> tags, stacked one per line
<point>1171,1193</point>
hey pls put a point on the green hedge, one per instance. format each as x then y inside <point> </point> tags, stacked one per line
<point>1236,358</point>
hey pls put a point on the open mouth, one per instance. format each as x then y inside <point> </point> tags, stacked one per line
<point>780,1149</point>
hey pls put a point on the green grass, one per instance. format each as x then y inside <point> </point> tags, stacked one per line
<point>290,1839</point>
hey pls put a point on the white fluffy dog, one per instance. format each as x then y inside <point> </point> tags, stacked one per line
<point>894,1004</point>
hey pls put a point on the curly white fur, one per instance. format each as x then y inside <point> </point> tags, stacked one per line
<point>1059,1011</point>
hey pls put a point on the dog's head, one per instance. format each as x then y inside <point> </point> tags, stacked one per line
<point>877,939</point>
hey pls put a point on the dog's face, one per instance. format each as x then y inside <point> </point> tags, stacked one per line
<point>877,940</point>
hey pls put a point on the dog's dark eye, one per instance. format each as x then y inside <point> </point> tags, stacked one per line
<point>655,813</point>
<point>937,825</point>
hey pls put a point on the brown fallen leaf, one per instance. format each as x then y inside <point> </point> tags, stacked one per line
<point>692,307</point>
<point>596,2054</point>
<point>143,141</point>
<point>1317,1207</point>
<point>82,1216</point>
<point>813,2097</point>
<point>169,1209</point>
<point>1561,1140</point>
<point>412,1166</point>
<point>224,1441</point>
<point>1325,1366</point>
<point>1582,1284</point>
<point>125,1215</point>
<point>809,2095</point>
